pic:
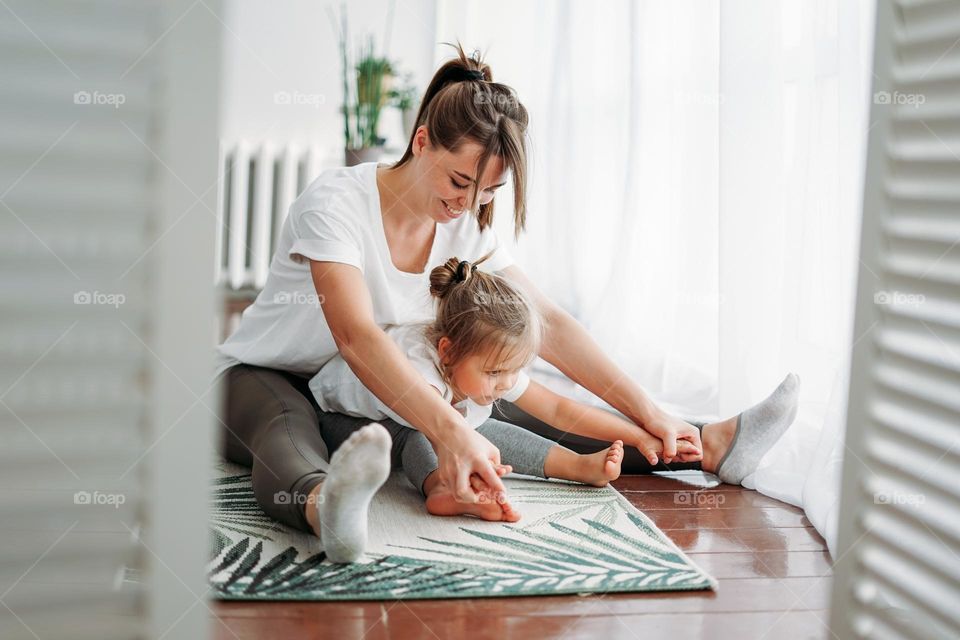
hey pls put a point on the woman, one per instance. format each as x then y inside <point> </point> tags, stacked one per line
<point>354,255</point>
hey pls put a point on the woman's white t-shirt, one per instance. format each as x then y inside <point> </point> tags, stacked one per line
<point>337,388</point>
<point>338,219</point>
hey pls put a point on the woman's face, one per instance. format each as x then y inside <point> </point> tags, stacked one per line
<point>446,181</point>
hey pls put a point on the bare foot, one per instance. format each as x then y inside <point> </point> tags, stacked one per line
<point>441,502</point>
<point>602,467</point>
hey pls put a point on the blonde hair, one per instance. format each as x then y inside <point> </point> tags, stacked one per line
<point>478,312</point>
<point>463,103</point>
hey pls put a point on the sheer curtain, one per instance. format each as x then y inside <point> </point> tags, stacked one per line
<point>695,198</point>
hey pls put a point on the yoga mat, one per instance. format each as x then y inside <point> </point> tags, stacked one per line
<point>572,539</point>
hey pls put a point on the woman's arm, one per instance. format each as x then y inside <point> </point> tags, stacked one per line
<point>386,372</point>
<point>568,346</point>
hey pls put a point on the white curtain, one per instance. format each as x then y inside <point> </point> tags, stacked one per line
<point>695,197</point>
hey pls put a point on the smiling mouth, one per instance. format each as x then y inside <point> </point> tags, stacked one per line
<point>453,212</point>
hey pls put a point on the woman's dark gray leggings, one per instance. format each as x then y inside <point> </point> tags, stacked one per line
<point>271,423</point>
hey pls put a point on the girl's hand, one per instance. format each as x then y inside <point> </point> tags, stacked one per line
<point>671,430</point>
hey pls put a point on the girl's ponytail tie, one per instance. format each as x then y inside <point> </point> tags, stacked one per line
<point>462,270</point>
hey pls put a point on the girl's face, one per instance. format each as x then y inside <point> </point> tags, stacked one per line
<point>446,181</point>
<point>481,376</point>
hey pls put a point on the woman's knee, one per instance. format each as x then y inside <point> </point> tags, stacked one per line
<point>284,498</point>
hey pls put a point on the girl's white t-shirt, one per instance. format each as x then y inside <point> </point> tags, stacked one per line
<point>338,219</point>
<point>337,388</point>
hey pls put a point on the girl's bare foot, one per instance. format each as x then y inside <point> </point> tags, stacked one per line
<point>441,502</point>
<point>602,467</point>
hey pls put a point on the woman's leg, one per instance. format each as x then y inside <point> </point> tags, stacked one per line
<point>271,426</point>
<point>410,449</point>
<point>633,462</point>
<point>732,448</point>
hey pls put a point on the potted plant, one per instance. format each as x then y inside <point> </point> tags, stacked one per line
<point>366,90</point>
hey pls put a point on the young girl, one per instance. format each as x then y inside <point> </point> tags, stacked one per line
<point>486,332</point>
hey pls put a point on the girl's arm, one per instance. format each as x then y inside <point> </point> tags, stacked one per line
<point>385,371</point>
<point>568,346</point>
<point>572,417</point>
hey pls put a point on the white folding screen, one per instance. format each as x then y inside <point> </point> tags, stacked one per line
<point>898,561</point>
<point>109,115</point>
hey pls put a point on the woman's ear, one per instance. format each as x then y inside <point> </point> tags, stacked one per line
<point>421,140</point>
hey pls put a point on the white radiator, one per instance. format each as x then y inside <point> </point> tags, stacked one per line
<point>259,182</point>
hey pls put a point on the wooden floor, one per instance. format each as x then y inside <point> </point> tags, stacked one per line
<point>773,569</point>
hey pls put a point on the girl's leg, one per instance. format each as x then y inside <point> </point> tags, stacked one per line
<point>523,450</point>
<point>534,455</point>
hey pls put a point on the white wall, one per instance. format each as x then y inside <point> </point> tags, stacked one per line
<point>272,47</point>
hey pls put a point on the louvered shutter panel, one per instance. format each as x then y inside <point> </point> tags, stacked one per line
<point>898,563</point>
<point>82,184</point>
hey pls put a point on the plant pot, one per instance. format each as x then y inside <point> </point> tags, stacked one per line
<point>367,89</point>
<point>353,157</point>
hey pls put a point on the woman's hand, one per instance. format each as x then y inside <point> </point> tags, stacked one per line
<point>463,452</point>
<point>651,447</point>
<point>670,430</point>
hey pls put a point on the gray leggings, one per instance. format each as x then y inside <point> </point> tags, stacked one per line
<point>524,450</point>
<point>271,423</point>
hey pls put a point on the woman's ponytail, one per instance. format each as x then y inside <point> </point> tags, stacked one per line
<point>461,103</point>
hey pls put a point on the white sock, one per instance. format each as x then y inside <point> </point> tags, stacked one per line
<point>357,469</point>
<point>758,429</point>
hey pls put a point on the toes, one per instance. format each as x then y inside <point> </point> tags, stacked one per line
<point>509,514</point>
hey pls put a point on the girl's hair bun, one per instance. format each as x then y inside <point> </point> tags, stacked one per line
<point>443,278</point>
<point>451,273</point>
